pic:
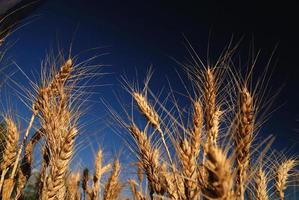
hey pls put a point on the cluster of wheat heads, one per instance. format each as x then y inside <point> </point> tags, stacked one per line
<point>206,150</point>
<point>51,131</point>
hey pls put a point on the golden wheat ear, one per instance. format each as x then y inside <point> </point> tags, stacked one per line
<point>219,173</point>
<point>137,195</point>
<point>261,185</point>
<point>98,172</point>
<point>243,139</point>
<point>282,175</point>
<point>149,158</point>
<point>113,186</point>
<point>73,186</point>
<point>9,156</point>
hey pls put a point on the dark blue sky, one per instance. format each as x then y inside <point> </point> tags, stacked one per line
<point>137,34</point>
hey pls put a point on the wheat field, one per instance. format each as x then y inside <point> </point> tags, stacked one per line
<point>206,150</point>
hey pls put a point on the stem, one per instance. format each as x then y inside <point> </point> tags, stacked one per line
<point>2,178</point>
<point>22,146</point>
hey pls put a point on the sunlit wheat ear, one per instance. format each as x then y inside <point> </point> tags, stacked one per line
<point>261,184</point>
<point>149,157</point>
<point>113,187</point>
<point>220,176</point>
<point>189,170</point>
<point>212,111</point>
<point>58,167</point>
<point>197,128</point>
<point>172,181</point>
<point>243,139</point>
<point>10,151</point>
<point>7,188</point>
<point>53,87</point>
<point>140,173</point>
<point>137,195</point>
<point>282,174</point>
<point>73,186</point>
<point>146,109</point>
<point>152,117</point>
<point>99,171</point>
<point>61,77</point>
<point>12,139</point>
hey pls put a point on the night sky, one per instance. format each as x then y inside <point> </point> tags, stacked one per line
<point>137,34</point>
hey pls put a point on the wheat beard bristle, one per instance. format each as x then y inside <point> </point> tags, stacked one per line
<point>282,174</point>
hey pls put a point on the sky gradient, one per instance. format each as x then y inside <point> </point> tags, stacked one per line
<point>137,34</point>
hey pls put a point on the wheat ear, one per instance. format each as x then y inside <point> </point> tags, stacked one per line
<point>72,185</point>
<point>212,112</point>
<point>149,159</point>
<point>8,186</point>
<point>189,170</point>
<point>58,167</point>
<point>243,139</point>
<point>99,171</point>
<point>282,175</point>
<point>113,187</point>
<point>9,154</point>
<point>152,117</point>
<point>220,177</point>
<point>261,183</point>
<point>137,195</point>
